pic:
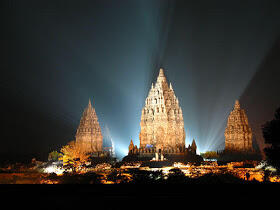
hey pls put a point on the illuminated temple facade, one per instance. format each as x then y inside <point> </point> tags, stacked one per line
<point>162,124</point>
<point>89,131</point>
<point>238,133</point>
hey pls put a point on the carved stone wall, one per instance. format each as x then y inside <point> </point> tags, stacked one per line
<point>162,124</point>
<point>238,133</point>
<point>89,131</point>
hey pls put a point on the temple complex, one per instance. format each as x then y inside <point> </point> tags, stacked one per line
<point>238,133</point>
<point>89,132</point>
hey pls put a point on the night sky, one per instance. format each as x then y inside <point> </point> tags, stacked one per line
<point>59,54</point>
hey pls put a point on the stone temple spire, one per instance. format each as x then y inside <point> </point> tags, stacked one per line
<point>89,103</point>
<point>161,73</point>
<point>131,147</point>
<point>193,145</point>
<point>238,133</point>
<point>89,107</point>
<point>89,131</point>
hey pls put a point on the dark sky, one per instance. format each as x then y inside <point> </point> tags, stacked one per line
<point>58,54</point>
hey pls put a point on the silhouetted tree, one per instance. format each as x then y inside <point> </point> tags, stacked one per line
<point>117,177</point>
<point>157,176</point>
<point>271,134</point>
<point>266,176</point>
<point>87,178</point>
<point>220,178</point>
<point>176,176</point>
<point>146,177</point>
<point>141,177</point>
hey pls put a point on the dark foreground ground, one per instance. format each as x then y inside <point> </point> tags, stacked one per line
<point>145,196</point>
<point>135,188</point>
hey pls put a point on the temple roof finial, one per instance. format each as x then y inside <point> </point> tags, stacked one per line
<point>237,105</point>
<point>161,73</point>
<point>89,103</point>
<point>161,76</point>
<point>193,143</point>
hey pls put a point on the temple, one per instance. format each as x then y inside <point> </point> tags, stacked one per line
<point>162,124</point>
<point>192,148</point>
<point>238,133</point>
<point>89,132</point>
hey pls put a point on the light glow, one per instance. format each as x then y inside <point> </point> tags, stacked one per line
<point>54,169</point>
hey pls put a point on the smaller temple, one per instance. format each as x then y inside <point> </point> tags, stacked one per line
<point>132,149</point>
<point>238,137</point>
<point>89,131</point>
<point>192,148</point>
<point>238,133</point>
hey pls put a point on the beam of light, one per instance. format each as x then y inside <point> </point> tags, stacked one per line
<point>121,151</point>
<point>133,98</point>
<point>107,135</point>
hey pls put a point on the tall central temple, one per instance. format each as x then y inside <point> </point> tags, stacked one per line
<point>162,124</point>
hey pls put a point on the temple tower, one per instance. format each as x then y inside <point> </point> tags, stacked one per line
<point>193,146</point>
<point>131,147</point>
<point>238,133</point>
<point>162,124</point>
<point>89,132</point>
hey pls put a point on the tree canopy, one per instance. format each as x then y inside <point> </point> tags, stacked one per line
<point>54,156</point>
<point>74,154</point>
<point>271,134</point>
<point>271,130</point>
